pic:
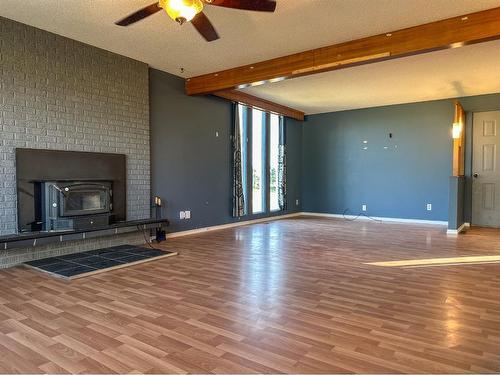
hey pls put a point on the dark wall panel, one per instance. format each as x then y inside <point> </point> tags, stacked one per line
<point>456,202</point>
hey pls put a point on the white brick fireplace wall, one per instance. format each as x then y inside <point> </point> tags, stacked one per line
<point>57,93</point>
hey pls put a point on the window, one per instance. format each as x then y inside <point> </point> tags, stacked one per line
<point>261,138</point>
<point>258,166</point>
<point>244,151</point>
<point>274,144</point>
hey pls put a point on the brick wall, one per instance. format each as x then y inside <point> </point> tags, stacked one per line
<point>57,93</point>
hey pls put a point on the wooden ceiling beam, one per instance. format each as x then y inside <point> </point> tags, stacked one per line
<point>255,102</point>
<point>449,33</point>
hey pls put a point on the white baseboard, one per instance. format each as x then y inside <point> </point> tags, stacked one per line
<point>461,228</point>
<point>230,225</point>
<point>296,214</point>
<point>371,218</point>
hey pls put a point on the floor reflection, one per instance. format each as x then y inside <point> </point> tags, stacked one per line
<point>436,262</point>
<point>262,267</point>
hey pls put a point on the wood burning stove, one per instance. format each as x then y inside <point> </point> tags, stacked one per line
<point>70,205</point>
<point>69,190</point>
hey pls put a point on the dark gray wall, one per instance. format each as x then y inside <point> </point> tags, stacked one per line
<point>394,177</point>
<point>191,166</point>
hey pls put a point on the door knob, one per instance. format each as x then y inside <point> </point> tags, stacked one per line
<point>475,175</point>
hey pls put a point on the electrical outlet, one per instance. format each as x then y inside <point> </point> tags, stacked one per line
<point>182,215</point>
<point>429,207</point>
<point>187,214</point>
<point>296,202</point>
<point>363,207</point>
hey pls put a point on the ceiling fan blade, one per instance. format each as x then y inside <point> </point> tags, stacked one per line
<point>258,5</point>
<point>139,15</point>
<point>205,27</point>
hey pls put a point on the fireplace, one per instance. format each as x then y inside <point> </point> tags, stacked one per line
<point>70,205</point>
<point>69,190</point>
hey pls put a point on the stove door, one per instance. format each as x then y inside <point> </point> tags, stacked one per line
<point>84,199</point>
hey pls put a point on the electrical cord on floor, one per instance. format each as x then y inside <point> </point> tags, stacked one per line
<point>358,216</point>
<point>143,230</point>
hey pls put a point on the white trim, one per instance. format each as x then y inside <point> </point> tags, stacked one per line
<point>454,232</point>
<point>296,214</point>
<point>231,225</point>
<point>383,219</point>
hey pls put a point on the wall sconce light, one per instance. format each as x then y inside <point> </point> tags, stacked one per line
<point>157,205</point>
<point>157,201</point>
<point>458,122</point>
<point>456,130</point>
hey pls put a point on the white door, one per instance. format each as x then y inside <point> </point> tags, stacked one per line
<point>486,170</point>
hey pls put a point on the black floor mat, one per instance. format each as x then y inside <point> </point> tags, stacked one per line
<point>77,265</point>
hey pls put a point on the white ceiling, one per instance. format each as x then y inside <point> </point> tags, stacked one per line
<point>248,37</point>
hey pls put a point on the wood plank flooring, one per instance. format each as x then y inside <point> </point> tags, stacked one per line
<point>290,296</point>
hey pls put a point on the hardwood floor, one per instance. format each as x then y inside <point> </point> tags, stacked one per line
<point>291,296</point>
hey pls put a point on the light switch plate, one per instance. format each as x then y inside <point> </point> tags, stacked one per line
<point>182,215</point>
<point>187,214</point>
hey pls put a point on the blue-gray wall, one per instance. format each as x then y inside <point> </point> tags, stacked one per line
<point>190,165</point>
<point>395,177</point>
<point>329,170</point>
<point>338,174</point>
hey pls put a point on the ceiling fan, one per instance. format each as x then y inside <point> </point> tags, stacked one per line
<point>184,11</point>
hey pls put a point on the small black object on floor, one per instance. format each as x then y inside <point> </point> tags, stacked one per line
<point>76,265</point>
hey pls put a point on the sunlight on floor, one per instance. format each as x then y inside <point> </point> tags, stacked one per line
<point>436,262</point>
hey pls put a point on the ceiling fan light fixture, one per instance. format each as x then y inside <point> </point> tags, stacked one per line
<point>182,10</point>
